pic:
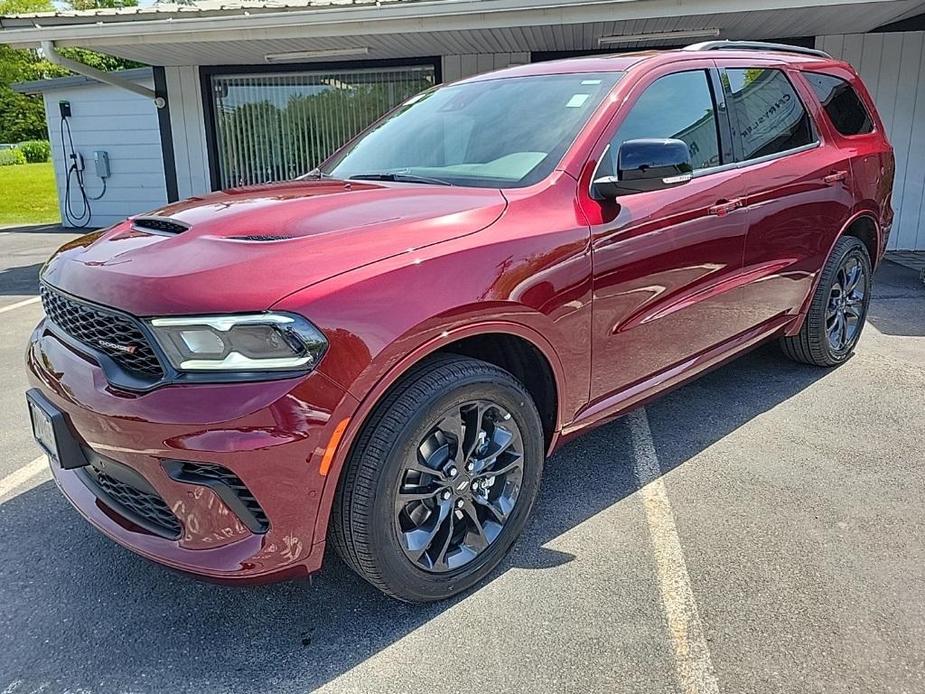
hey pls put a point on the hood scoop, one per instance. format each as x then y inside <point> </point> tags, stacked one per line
<point>165,226</point>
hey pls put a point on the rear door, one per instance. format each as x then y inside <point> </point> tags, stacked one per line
<point>857,130</point>
<point>666,263</point>
<point>797,182</point>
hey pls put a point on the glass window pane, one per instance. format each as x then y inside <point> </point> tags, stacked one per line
<point>768,116</point>
<point>277,126</point>
<point>841,103</point>
<point>678,106</point>
<point>502,133</point>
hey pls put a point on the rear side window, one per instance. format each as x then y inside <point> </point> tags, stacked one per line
<point>678,106</point>
<point>841,103</point>
<point>767,115</point>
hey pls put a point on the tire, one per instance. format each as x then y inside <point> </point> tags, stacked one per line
<point>375,529</point>
<point>815,344</point>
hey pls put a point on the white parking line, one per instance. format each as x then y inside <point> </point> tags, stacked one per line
<point>20,304</point>
<point>693,664</point>
<point>23,475</point>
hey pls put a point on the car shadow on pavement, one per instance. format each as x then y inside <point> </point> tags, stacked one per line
<point>82,614</point>
<point>53,228</point>
<point>20,281</point>
<point>898,306</point>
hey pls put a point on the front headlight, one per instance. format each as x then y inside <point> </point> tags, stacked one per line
<point>253,342</point>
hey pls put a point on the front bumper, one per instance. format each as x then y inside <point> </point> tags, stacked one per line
<point>270,436</point>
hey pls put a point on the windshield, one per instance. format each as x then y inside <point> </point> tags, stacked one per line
<point>501,133</point>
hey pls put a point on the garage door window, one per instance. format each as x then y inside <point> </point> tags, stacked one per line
<point>767,115</point>
<point>276,126</point>
<point>841,103</point>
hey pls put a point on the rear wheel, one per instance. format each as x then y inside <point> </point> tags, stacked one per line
<point>441,480</point>
<point>838,310</point>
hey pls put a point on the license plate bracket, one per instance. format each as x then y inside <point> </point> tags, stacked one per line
<point>53,432</point>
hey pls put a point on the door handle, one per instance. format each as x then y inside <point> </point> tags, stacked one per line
<point>835,177</point>
<point>724,207</point>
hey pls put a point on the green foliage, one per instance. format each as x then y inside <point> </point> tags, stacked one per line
<point>99,4</point>
<point>22,116</point>
<point>36,151</point>
<point>11,157</point>
<point>8,7</point>
<point>101,61</point>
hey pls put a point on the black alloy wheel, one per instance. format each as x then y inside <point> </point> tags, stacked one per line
<point>847,303</point>
<point>838,308</point>
<point>460,486</point>
<point>441,479</point>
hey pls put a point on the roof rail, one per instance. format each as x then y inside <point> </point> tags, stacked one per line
<point>754,46</point>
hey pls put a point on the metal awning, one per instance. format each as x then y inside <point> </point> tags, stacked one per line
<point>246,31</point>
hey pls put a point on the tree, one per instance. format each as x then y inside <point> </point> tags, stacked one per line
<point>22,116</point>
<point>98,4</point>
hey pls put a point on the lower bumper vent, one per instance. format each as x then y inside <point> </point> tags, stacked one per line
<point>227,486</point>
<point>129,494</point>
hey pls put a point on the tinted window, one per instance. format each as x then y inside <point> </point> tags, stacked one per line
<point>842,103</point>
<point>678,106</point>
<point>767,115</point>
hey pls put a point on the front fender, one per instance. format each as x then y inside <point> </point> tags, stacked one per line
<point>382,319</point>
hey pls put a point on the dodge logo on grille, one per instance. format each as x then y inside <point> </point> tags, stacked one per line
<point>127,349</point>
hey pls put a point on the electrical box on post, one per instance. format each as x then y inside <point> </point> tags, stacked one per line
<point>101,160</point>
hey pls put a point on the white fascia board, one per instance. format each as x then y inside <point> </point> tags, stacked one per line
<point>445,15</point>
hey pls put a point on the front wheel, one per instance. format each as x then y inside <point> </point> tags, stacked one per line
<point>838,310</point>
<point>441,480</point>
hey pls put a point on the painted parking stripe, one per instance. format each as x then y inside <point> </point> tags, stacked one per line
<point>20,304</point>
<point>23,475</point>
<point>693,664</point>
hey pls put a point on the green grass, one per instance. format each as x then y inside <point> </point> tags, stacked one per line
<point>27,194</point>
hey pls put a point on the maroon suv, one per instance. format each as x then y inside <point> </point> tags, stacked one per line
<point>382,353</point>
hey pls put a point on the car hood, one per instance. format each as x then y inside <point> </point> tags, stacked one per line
<point>244,249</point>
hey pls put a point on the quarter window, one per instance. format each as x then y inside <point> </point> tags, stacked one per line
<point>678,106</point>
<point>767,115</point>
<point>841,103</point>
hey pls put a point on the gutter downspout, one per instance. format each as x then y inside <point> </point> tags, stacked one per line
<point>48,49</point>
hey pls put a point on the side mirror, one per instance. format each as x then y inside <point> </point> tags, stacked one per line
<point>644,165</point>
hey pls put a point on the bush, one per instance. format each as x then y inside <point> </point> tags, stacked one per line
<point>10,157</point>
<point>36,151</point>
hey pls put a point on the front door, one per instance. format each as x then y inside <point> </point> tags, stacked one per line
<point>667,264</point>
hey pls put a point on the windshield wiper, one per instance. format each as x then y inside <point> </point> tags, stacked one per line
<point>314,173</point>
<point>398,176</point>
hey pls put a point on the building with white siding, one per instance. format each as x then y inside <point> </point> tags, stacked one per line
<point>104,118</point>
<point>250,91</point>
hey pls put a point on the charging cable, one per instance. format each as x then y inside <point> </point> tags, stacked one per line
<point>74,176</point>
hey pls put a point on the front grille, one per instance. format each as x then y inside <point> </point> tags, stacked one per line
<point>144,507</point>
<point>160,225</point>
<point>229,488</point>
<point>117,336</point>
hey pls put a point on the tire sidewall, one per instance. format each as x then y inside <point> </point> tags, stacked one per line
<point>394,566</point>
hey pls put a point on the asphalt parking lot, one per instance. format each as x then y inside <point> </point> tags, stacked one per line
<point>777,546</point>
